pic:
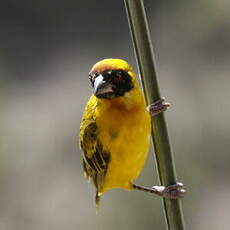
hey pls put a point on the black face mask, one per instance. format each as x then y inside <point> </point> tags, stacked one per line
<point>111,83</point>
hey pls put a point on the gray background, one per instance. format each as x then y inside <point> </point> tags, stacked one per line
<point>46,50</point>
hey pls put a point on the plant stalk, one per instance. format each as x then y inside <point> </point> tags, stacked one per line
<point>146,64</point>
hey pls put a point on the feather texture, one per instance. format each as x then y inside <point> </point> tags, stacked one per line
<point>115,135</point>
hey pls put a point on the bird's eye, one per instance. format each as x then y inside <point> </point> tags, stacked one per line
<point>92,77</point>
<point>118,76</point>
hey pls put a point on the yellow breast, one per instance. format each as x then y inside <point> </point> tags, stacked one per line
<point>124,130</point>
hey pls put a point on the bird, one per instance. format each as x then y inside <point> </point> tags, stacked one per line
<point>115,130</point>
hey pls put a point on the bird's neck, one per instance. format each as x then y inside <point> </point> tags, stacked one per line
<point>130,101</point>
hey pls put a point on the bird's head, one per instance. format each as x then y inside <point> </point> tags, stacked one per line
<point>112,78</point>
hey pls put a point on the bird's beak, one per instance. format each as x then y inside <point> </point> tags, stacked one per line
<point>102,88</point>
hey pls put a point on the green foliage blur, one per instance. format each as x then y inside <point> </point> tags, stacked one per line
<point>46,51</point>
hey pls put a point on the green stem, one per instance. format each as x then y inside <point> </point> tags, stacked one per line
<point>146,64</point>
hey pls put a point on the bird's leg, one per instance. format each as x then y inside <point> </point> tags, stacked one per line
<point>158,107</point>
<point>175,191</point>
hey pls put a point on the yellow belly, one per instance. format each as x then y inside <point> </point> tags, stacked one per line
<point>126,136</point>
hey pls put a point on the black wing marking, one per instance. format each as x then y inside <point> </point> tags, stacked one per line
<point>95,158</point>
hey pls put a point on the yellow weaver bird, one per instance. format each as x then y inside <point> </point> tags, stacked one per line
<point>115,130</point>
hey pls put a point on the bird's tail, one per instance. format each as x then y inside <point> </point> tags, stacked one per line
<point>97,199</point>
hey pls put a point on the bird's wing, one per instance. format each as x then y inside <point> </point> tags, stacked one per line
<point>95,158</point>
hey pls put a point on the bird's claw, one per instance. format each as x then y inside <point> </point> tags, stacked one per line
<point>158,107</point>
<point>175,191</point>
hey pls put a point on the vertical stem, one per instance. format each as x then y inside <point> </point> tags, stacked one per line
<point>144,54</point>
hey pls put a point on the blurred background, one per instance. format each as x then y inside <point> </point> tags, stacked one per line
<point>46,51</point>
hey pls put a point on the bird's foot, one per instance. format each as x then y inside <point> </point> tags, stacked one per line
<point>158,107</point>
<point>175,191</point>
